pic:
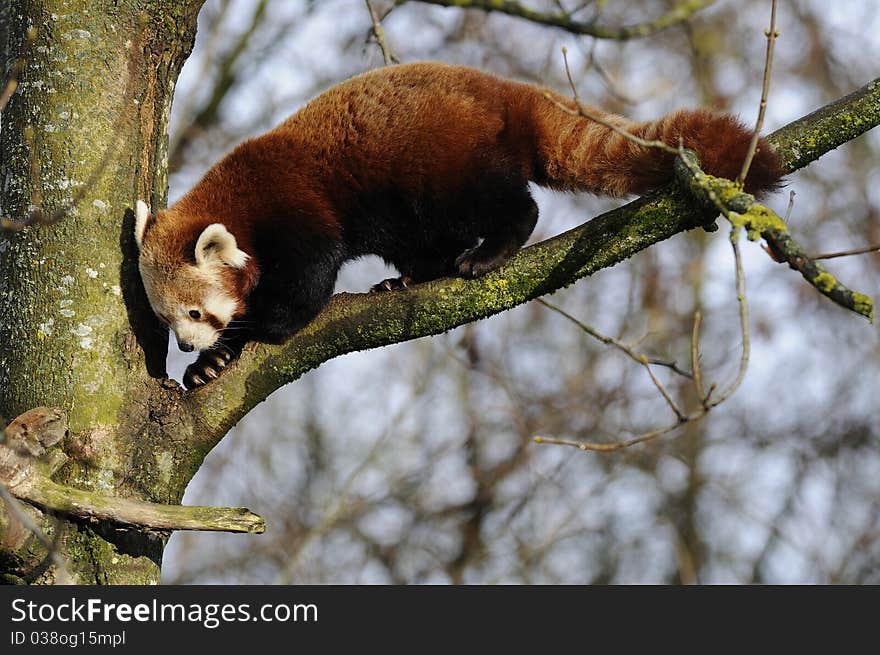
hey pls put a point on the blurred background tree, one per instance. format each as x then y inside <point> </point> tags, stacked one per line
<point>415,463</point>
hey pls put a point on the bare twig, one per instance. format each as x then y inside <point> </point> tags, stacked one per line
<point>379,33</point>
<point>584,112</point>
<point>772,34</point>
<point>706,404</point>
<point>563,20</point>
<point>671,365</point>
<point>639,359</point>
<point>848,253</point>
<point>743,323</point>
<point>695,357</point>
<point>51,545</point>
<point>788,211</point>
<point>618,445</point>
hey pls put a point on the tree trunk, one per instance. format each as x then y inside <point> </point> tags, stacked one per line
<point>88,130</point>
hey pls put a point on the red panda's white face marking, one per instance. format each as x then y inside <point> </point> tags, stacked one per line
<point>193,300</point>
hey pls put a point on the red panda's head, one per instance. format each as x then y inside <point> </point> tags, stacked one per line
<point>196,290</point>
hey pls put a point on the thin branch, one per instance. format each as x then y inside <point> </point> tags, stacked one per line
<point>848,253</point>
<point>705,404</point>
<point>618,445</point>
<point>772,35</point>
<point>629,352</point>
<point>743,322</point>
<point>788,211</point>
<point>671,365</point>
<point>695,357</point>
<point>563,20</point>
<point>51,545</point>
<point>584,112</point>
<point>379,32</point>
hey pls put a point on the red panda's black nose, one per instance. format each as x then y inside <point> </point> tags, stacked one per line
<point>185,347</point>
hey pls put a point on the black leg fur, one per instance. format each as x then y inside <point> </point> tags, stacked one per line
<point>509,234</point>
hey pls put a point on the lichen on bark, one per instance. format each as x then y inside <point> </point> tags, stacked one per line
<point>84,133</point>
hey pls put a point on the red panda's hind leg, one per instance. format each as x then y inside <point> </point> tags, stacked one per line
<point>512,228</point>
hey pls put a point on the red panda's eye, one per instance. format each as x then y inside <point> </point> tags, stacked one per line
<point>195,313</point>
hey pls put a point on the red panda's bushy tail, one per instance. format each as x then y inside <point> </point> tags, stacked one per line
<point>575,153</point>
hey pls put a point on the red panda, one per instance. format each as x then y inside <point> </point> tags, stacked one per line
<point>426,165</point>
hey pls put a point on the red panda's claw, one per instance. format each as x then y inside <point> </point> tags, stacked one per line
<point>192,380</point>
<point>217,358</point>
<point>207,367</point>
<point>391,284</point>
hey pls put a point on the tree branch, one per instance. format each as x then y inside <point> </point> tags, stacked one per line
<point>378,32</point>
<point>742,211</point>
<point>354,322</point>
<point>49,495</point>
<point>26,464</point>
<point>565,21</point>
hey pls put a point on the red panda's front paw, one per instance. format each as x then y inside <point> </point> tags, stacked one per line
<point>207,367</point>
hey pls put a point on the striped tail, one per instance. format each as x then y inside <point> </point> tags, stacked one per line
<point>578,154</point>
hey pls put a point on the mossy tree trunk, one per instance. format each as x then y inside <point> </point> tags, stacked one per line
<point>88,128</point>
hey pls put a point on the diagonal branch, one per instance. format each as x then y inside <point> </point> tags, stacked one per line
<point>741,210</point>
<point>361,321</point>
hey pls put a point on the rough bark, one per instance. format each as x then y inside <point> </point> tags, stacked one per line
<point>75,329</point>
<point>92,114</point>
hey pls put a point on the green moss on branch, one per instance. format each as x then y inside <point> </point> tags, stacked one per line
<point>743,211</point>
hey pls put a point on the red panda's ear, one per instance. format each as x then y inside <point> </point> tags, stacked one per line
<point>217,247</point>
<point>141,220</point>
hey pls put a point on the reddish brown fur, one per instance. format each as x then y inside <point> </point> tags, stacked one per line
<point>438,125</point>
<point>579,154</point>
<point>417,163</point>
